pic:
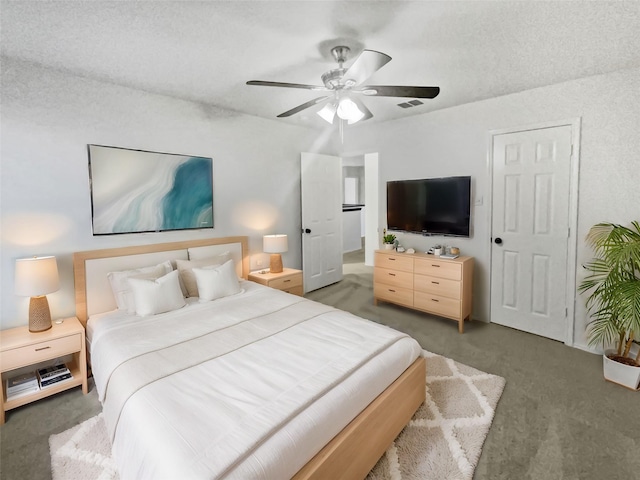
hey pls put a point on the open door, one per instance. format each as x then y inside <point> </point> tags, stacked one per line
<point>321,191</point>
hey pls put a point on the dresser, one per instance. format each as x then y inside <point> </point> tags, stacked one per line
<point>425,282</point>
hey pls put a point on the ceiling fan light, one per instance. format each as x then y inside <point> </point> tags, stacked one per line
<point>348,110</point>
<point>328,112</point>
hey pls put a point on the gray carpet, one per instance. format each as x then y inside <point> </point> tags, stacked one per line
<point>557,417</point>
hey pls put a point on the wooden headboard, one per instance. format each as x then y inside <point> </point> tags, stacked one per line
<point>155,252</point>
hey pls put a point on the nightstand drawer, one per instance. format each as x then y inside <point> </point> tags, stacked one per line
<point>286,283</point>
<point>38,352</point>
<point>295,290</point>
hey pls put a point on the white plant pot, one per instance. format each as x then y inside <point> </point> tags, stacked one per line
<point>619,373</point>
<point>389,246</point>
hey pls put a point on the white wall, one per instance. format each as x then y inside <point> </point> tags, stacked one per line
<point>455,142</point>
<point>48,118</point>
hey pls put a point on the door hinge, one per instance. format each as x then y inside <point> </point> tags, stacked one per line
<point>566,312</point>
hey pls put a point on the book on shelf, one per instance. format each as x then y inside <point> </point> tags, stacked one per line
<point>52,371</point>
<point>53,380</point>
<point>22,384</point>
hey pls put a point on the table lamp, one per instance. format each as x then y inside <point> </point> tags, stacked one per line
<point>35,278</point>
<point>275,245</point>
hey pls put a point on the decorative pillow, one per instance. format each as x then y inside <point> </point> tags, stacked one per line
<point>120,283</point>
<point>217,282</point>
<point>185,267</point>
<point>158,295</point>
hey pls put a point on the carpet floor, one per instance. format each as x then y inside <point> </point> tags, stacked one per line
<point>443,440</point>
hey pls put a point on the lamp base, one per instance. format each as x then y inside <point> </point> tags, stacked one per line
<point>39,314</point>
<point>275,264</point>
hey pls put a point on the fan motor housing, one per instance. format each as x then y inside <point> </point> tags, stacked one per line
<point>333,78</point>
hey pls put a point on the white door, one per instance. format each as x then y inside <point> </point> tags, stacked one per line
<point>321,190</point>
<point>530,230</point>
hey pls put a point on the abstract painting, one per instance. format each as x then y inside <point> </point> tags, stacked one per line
<point>136,191</point>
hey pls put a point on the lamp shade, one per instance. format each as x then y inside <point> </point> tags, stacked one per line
<point>275,244</point>
<point>36,276</point>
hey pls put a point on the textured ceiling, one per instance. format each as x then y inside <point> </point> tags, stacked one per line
<point>206,51</point>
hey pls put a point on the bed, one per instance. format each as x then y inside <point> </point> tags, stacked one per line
<point>255,383</point>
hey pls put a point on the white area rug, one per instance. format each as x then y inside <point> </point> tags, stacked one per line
<point>443,441</point>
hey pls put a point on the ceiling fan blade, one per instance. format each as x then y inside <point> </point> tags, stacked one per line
<point>262,83</point>
<point>398,91</point>
<point>367,63</point>
<point>299,108</point>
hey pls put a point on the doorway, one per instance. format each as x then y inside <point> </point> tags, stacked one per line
<point>533,225</point>
<point>361,207</point>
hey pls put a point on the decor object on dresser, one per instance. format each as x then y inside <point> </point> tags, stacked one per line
<point>140,191</point>
<point>289,280</point>
<point>20,348</point>
<point>434,285</point>
<point>389,241</point>
<point>275,245</point>
<point>613,285</point>
<point>36,277</point>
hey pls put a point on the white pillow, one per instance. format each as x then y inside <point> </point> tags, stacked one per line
<point>185,267</point>
<point>120,283</point>
<point>217,282</point>
<point>158,295</point>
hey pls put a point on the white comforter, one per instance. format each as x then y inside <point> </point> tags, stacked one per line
<point>249,386</point>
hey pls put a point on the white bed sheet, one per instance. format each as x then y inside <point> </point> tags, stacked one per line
<point>192,424</point>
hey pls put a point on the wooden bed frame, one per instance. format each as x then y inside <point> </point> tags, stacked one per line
<point>356,449</point>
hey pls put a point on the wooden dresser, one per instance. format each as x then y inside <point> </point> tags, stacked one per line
<point>425,282</point>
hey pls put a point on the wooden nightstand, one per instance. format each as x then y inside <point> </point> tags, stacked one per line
<point>289,280</point>
<point>21,348</point>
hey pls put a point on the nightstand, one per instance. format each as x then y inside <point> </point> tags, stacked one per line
<point>21,348</point>
<point>289,280</point>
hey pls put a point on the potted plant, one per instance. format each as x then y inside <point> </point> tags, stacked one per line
<point>613,288</point>
<point>389,241</point>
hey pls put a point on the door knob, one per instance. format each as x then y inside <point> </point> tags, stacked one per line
<point>498,241</point>
<point>307,230</point>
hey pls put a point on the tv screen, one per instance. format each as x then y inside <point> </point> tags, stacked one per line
<point>431,206</point>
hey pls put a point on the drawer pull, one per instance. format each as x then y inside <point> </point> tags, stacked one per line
<point>392,274</point>
<point>392,291</point>
<point>43,348</point>
<point>434,300</point>
<point>392,259</point>
<point>287,280</point>
<point>435,265</point>
<point>437,283</point>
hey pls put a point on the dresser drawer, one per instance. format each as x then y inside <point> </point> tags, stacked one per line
<point>447,307</point>
<point>438,286</point>
<point>439,268</point>
<point>38,352</point>
<point>287,282</point>
<point>394,261</point>
<point>401,296</point>
<point>394,278</point>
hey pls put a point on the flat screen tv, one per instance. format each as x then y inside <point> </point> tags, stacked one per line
<point>430,206</point>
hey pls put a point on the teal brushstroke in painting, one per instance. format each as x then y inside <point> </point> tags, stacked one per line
<point>189,202</point>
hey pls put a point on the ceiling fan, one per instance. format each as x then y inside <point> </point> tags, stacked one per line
<point>343,83</point>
